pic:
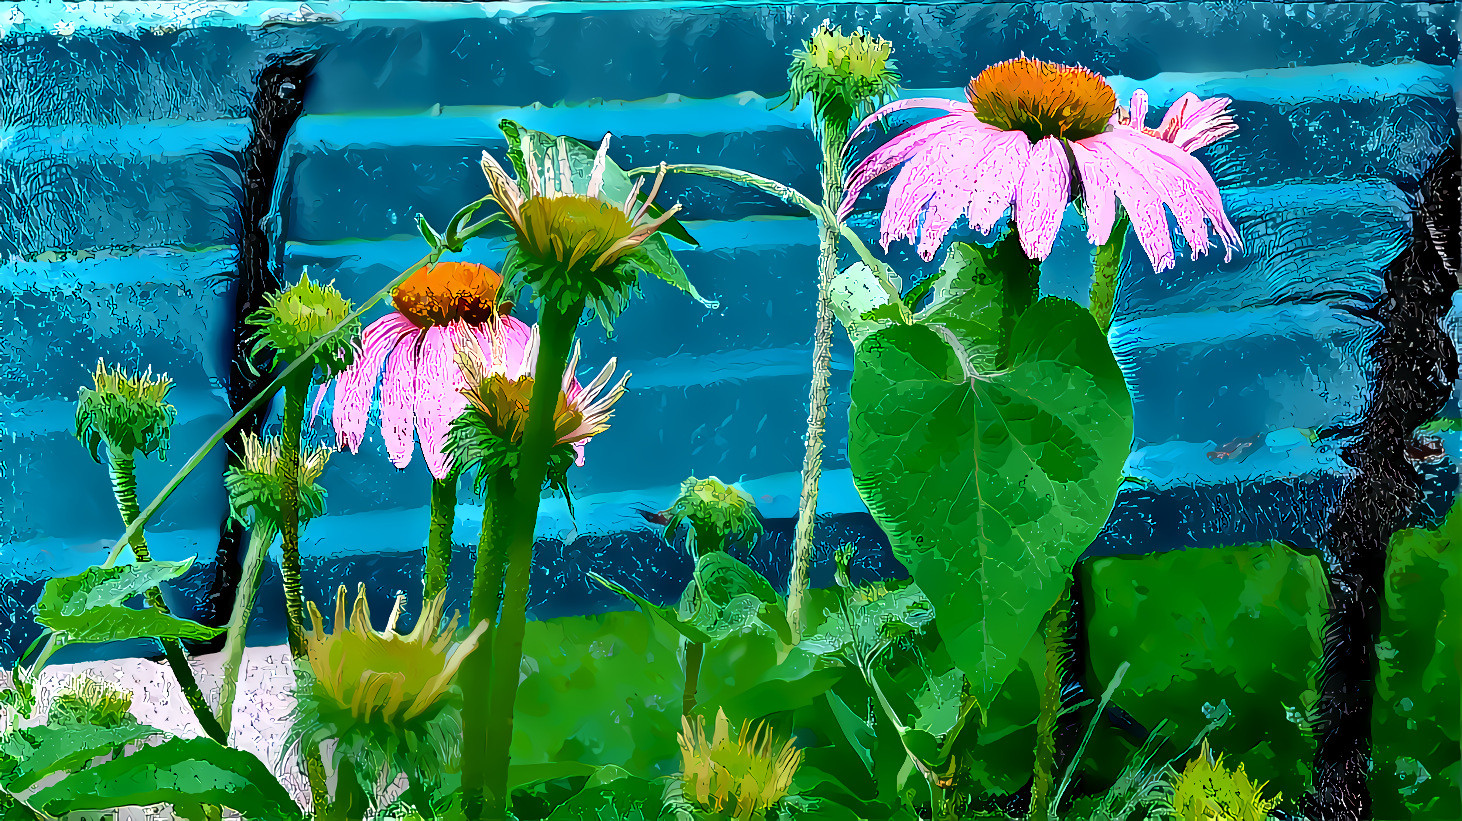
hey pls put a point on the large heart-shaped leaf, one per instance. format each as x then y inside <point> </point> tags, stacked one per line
<point>185,772</point>
<point>978,295</point>
<point>990,484</point>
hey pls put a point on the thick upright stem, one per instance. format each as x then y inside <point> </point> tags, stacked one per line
<point>1046,724</point>
<point>439,541</point>
<point>556,334</point>
<point>124,487</point>
<point>694,653</point>
<point>834,134</point>
<point>487,599</point>
<point>1105,271</point>
<point>295,391</point>
<point>261,536</point>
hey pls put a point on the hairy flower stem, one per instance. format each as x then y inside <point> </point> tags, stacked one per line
<point>1041,808</point>
<point>1107,268</point>
<point>350,800</point>
<point>834,132</point>
<point>295,391</point>
<point>487,599</point>
<point>124,487</point>
<point>556,328</point>
<point>261,536</point>
<point>439,542</point>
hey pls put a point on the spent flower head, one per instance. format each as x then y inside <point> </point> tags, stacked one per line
<point>130,413</point>
<point>717,515</point>
<point>297,317</point>
<point>388,698</point>
<point>739,778</point>
<point>847,75</point>
<point>573,243</point>
<point>255,489</point>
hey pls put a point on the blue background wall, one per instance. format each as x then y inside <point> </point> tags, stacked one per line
<point>120,149</point>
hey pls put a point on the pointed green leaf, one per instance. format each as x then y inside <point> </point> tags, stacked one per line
<point>184,772</point>
<point>100,586</point>
<point>654,258</point>
<point>728,583</point>
<point>118,623</point>
<point>664,614</point>
<point>989,488</point>
<point>979,293</point>
<point>40,751</point>
<point>862,303</point>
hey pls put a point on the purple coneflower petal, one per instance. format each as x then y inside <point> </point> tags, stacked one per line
<point>1196,196</point>
<point>1143,200</point>
<point>989,169</point>
<point>1045,189</point>
<point>957,106</point>
<point>438,397</point>
<point>891,154</point>
<point>1192,123</point>
<point>397,416</point>
<point>355,387</point>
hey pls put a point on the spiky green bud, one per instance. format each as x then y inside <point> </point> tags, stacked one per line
<point>718,515</point>
<point>255,491</point>
<point>847,75</point>
<point>302,314</point>
<point>130,413</point>
<point>86,700</point>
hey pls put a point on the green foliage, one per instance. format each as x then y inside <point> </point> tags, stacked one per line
<point>738,776</point>
<point>847,75</point>
<point>724,597</point>
<point>36,752</point>
<point>478,449</point>
<point>130,413</point>
<point>186,773</point>
<point>1418,773</point>
<point>255,492</point>
<point>87,607</point>
<point>85,700</point>
<point>297,317</point>
<point>1206,790</point>
<point>718,516</point>
<point>623,799</point>
<point>990,482</point>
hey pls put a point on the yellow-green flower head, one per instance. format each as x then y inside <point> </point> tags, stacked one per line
<point>848,75</point>
<point>385,676</point>
<point>130,413</point>
<point>1206,790</point>
<point>297,317</point>
<point>255,492</point>
<point>86,700</point>
<point>572,244</point>
<point>718,515</point>
<point>738,778</point>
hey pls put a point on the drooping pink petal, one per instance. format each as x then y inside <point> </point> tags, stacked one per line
<point>397,403</point>
<point>1196,195</point>
<point>1098,193</point>
<point>1041,199</point>
<point>1191,123</point>
<point>957,106</point>
<point>438,396</point>
<point>1143,200</point>
<point>355,388</point>
<point>984,188</point>
<point>889,155</point>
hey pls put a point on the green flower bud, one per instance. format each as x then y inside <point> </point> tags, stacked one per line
<point>847,75</point>
<point>129,413</point>
<point>298,317</point>
<point>718,515</point>
<point>255,492</point>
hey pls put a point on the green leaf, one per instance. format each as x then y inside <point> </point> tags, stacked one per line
<point>654,258</point>
<point>616,183</point>
<point>729,586</point>
<point>978,295</point>
<point>99,586</point>
<point>622,799</point>
<point>186,773</point>
<point>40,751</point>
<point>664,614</point>
<point>862,303</point>
<point>990,487</point>
<point>118,623</point>
<point>859,734</point>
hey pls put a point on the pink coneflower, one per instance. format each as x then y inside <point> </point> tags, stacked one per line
<point>410,352</point>
<point>1190,124</point>
<point>1028,127</point>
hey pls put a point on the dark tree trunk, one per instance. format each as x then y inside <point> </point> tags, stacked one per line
<point>1416,367</point>
<point>278,103</point>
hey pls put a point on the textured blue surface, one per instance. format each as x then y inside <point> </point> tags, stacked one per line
<point>119,157</point>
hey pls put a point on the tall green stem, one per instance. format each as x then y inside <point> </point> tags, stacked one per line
<point>439,541</point>
<point>261,536</point>
<point>834,132</point>
<point>694,653</point>
<point>124,487</point>
<point>1106,269</point>
<point>1041,807</point>
<point>296,390</point>
<point>487,598</point>
<point>556,334</point>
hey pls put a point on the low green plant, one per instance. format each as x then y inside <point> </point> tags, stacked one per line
<point>87,700</point>
<point>1206,790</point>
<point>736,777</point>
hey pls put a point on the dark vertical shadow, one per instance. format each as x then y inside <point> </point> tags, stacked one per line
<point>278,103</point>
<point>1415,367</point>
